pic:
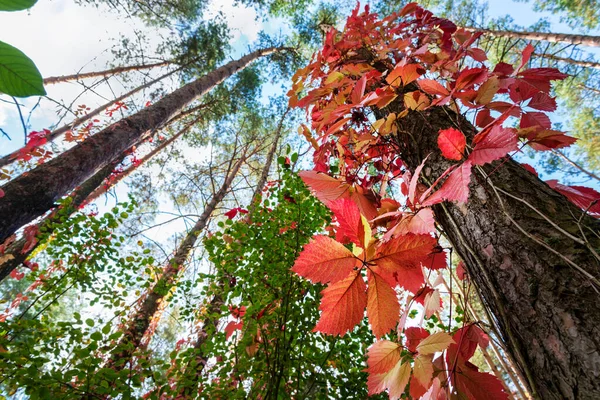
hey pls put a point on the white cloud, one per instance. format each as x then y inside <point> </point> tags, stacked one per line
<point>242,20</point>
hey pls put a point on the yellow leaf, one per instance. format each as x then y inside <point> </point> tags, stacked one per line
<point>435,343</point>
<point>397,379</point>
<point>423,369</point>
<point>487,91</point>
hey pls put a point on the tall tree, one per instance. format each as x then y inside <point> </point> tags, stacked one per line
<point>31,195</point>
<point>138,323</point>
<point>52,80</point>
<point>528,249</point>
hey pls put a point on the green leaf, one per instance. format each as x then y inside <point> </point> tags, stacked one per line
<point>16,5</point>
<point>19,76</point>
<point>89,322</point>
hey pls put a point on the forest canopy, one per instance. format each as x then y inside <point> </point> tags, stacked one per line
<point>305,200</point>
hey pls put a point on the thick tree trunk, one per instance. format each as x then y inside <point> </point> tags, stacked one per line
<point>109,72</point>
<point>32,194</point>
<point>140,321</point>
<point>91,189</point>
<point>573,39</point>
<point>524,248</point>
<point>7,159</point>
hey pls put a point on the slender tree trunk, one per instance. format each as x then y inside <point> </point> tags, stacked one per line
<point>7,159</point>
<point>96,74</point>
<point>91,189</point>
<point>100,190</point>
<point>572,61</point>
<point>573,39</point>
<point>140,321</point>
<point>193,370</point>
<point>262,180</point>
<point>526,250</point>
<point>32,194</point>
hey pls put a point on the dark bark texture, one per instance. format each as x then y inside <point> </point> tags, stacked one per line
<point>35,192</point>
<point>532,277</point>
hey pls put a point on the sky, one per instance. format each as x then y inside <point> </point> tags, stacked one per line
<point>62,37</point>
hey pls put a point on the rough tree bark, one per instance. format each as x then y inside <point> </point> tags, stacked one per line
<point>89,191</point>
<point>32,194</point>
<point>574,39</point>
<point>140,321</point>
<point>7,159</point>
<point>526,250</point>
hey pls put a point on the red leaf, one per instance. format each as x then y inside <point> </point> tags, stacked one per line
<point>583,197</point>
<point>548,139</point>
<point>404,251</point>
<point>348,216</point>
<point>383,309</point>
<point>359,89</point>
<point>404,74</point>
<point>542,101</point>
<point>343,305</point>
<point>231,327</point>
<point>461,271</point>
<point>496,144</point>
<point>455,188</point>
<point>527,52</point>
<point>529,168</point>
<point>432,86</point>
<point>452,143</point>
<point>382,356</point>
<point>324,260</point>
<point>543,74</point>
<point>471,76</point>
<point>414,336</point>
<point>325,187</point>
<point>472,384</point>
<point>16,274</point>
<point>420,223</point>
<point>533,119</point>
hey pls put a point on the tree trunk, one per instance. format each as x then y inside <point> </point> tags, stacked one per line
<point>140,321</point>
<point>109,72</point>
<point>101,189</point>
<point>32,194</point>
<point>262,180</point>
<point>91,189</point>
<point>573,39</point>
<point>535,276</point>
<point>572,61</point>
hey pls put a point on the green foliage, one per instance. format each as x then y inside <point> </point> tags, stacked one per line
<point>274,354</point>
<point>19,76</point>
<point>16,5</point>
<point>575,12</point>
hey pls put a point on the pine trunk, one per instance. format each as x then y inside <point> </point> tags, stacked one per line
<point>7,159</point>
<point>572,61</point>
<point>91,189</point>
<point>140,321</point>
<point>525,250</point>
<point>32,194</point>
<point>96,74</point>
<point>572,39</point>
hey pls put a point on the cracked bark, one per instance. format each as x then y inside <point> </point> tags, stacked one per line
<point>35,192</point>
<point>546,311</point>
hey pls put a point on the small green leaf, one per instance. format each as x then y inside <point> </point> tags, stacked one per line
<point>16,5</point>
<point>89,322</point>
<point>19,76</point>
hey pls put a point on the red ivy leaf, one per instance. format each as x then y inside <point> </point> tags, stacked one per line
<point>583,197</point>
<point>455,188</point>
<point>452,143</point>
<point>343,305</point>
<point>383,309</point>
<point>324,260</point>
<point>496,144</point>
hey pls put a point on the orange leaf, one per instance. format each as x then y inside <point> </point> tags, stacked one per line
<point>403,251</point>
<point>383,309</point>
<point>325,187</point>
<point>324,260</point>
<point>423,369</point>
<point>343,305</point>
<point>435,343</point>
<point>382,356</point>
